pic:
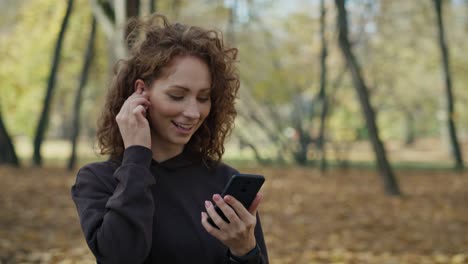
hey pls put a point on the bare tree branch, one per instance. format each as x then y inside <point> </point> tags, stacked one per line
<point>104,20</point>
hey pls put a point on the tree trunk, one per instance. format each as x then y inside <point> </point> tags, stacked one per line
<point>176,6</point>
<point>7,153</point>
<point>322,94</point>
<point>119,36</point>
<point>145,8</point>
<point>44,119</point>
<point>230,30</point>
<point>112,18</point>
<point>303,133</point>
<point>153,6</point>
<point>390,183</point>
<point>137,8</point>
<point>77,106</point>
<point>252,111</point>
<point>450,104</point>
<point>409,128</point>
<point>300,156</point>
<point>244,141</point>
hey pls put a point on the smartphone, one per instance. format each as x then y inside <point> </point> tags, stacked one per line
<point>243,187</point>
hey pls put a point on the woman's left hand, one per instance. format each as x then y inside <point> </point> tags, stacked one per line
<point>238,235</point>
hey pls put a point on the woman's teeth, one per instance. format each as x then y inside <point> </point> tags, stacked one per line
<point>187,127</point>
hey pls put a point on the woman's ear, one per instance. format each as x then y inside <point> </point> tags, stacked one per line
<point>140,86</point>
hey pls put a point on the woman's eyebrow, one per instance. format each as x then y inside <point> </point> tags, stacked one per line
<point>187,89</point>
<point>180,87</point>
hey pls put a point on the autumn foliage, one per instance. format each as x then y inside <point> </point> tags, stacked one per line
<point>340,217</point>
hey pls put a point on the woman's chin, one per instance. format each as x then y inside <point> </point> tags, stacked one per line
<point>181,141</point>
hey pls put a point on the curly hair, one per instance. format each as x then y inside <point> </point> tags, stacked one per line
<point>153,42</point>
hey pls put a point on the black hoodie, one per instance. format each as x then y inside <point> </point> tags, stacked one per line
<point>136,210</point>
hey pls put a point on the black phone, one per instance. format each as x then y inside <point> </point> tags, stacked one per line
<point>243,187</point>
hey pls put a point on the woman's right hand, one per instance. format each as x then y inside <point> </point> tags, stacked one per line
<point>132,122</point>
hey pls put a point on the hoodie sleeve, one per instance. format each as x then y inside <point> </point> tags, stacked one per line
<point>261,242</point>
<point>117,222</point>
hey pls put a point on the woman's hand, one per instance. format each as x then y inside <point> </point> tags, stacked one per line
<point>238,235</point>
<point>132,122</point>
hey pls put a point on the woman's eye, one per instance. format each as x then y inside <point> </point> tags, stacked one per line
<point>204,99</point>
<point>176,98</point>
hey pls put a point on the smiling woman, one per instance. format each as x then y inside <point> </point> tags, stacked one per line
<point>154,58</point>
<point>180,104</point>
<point>167,113</point>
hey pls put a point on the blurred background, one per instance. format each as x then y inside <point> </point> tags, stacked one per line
<point>356,111</point>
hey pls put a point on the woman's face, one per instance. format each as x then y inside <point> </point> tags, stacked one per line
<point>180,102</point>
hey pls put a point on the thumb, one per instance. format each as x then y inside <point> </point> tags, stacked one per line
<point>256,202</point>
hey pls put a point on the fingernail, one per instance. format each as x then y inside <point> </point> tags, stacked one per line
<point>216,197</point>
<point>227,198</point>
<point>207,204</point>
<point>202,214</point>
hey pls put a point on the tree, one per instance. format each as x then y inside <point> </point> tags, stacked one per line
<point>7,153</point>
<point>260,118</point>
<point>390,183</point>
<point>278,85</point>
<point>44,119</point>
<point>112,17</point>
<point>323,83</point>
<point>77,105</point>
<point>153,5</point>
<point>449,103</point>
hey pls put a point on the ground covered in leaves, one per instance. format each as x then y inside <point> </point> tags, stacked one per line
<point>340,217</point>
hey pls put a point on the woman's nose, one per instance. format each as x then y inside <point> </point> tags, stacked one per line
<point>192,110</point>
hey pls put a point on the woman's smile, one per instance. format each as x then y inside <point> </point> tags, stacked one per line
<point>184,128</point>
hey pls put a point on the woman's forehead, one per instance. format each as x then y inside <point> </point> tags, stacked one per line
<point>188,72</point>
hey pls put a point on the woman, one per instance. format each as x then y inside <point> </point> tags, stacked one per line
<point>168,110</point>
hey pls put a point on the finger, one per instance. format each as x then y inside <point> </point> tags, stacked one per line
<point>214,215</point>
<point>256,202</point>
<point>208,227</point>
<point>134,97</point>
<point>226,209</point>
<point>140,112</point>
<point>128,108</point>
<point>139,92</point>
<point>138,95</point>
<point>132,103</point>
<point>144,94</point>
<point>241,211</point>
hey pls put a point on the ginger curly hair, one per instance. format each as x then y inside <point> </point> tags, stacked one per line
<point>153,42</point>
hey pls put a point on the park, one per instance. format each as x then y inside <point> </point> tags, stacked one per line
<point>354,111</point>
